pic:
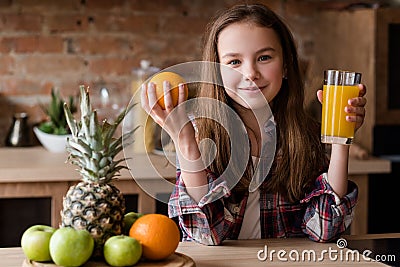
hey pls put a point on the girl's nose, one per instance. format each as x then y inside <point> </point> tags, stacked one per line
<point>250,71</point>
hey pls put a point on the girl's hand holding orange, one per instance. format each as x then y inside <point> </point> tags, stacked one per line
<point>164,92</point>
<point>173,94</point>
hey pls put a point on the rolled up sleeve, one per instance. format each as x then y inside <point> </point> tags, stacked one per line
<point>207,222</point>
<point>327,215</point>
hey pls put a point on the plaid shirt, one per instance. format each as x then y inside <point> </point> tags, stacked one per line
<point>321,215</point>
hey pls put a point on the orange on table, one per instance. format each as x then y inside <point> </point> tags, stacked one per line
<point>158,234</point>
<point>174,80</point>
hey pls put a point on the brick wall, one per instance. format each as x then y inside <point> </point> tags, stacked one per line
<point>65,43</point>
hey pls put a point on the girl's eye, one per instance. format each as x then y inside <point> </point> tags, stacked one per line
<point>264,58</point>
<point>234,62</point>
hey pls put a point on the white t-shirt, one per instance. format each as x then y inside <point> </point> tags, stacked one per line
<point>251,228</point>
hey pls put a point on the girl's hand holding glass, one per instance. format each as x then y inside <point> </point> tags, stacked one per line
<point>356,107</point>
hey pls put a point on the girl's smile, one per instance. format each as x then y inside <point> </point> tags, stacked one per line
<point>252,88</point>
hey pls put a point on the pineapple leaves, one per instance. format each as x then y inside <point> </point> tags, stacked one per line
<point>94,144</point>
<point>80,146</point>
<point>70,120</point>
<point>109,129</point>
<point>85,106</point>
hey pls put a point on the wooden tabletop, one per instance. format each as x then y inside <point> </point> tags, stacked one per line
<point>281,251</point>
<point>252,253</point>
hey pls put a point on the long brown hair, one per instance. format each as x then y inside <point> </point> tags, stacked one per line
<point>300,154</point>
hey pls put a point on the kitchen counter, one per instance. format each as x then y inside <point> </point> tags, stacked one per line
<point>35,172</point>
<point>35,164</point>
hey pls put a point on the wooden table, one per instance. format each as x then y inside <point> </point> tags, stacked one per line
<point>235,253</point>
<point>245,253</point>
<point>35,172</point>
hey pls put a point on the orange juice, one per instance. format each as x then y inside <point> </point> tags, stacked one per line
<point>333,122</point>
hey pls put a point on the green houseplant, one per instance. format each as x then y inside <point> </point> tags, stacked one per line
<point>53,132</point>
<point>56,122</point>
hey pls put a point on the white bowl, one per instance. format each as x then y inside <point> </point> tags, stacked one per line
<point>52,142</point>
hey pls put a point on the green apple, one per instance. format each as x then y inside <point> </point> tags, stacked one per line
<point>71,247</point>
<point>122,250</point>
<point>129,219</point>
<point>35,242</point>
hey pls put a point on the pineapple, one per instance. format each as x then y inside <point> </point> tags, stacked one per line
<point>94,204</point>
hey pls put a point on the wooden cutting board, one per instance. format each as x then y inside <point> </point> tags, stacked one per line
<point>175,260</point>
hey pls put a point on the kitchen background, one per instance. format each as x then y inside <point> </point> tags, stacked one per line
<point>65,43</point>
<point>47,44</point>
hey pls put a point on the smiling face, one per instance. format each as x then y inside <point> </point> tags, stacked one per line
<point>254,58</point>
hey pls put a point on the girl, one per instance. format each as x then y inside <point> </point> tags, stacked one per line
<point>304,193</point>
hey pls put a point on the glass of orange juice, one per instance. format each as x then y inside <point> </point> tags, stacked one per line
<point>339,87</point>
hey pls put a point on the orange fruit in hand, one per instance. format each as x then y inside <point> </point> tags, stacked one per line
<point>174,80</point>
<point>158,234</point>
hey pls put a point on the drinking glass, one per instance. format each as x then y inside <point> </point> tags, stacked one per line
<point>339,87</point>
